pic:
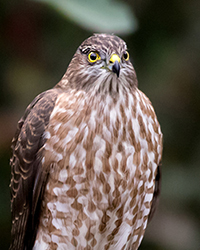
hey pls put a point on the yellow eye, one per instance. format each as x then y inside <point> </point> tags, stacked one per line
<point>93,57</point>
<point>126,55</point>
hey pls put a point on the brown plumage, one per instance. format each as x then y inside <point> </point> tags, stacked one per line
<point>84,170</point>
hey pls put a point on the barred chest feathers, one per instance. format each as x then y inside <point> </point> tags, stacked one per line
<point>103,155</point>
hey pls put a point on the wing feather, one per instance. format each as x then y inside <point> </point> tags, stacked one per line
<point>27,176</point>
<point>156,192</point>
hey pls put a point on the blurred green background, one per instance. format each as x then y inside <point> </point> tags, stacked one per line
<point>38,40</point>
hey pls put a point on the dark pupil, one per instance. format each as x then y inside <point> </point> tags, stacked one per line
<point>93,56</point>
<point>125,55</point>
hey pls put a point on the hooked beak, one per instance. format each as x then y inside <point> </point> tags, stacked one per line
<point>116,68</point>
<point>114,64</point>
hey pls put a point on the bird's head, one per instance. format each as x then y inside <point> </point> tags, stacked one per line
<point>101,62</point>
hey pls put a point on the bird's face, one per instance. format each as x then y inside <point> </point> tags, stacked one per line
<point>102,62</point>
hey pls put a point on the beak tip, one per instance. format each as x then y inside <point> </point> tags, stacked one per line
<point>116,68</point>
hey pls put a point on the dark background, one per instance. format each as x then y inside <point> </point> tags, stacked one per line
<point>37,43</point>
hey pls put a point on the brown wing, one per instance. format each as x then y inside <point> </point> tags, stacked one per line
<point>156,192</point>
<point>27,176</point>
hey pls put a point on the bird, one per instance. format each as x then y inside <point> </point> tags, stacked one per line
<point>86,157</point>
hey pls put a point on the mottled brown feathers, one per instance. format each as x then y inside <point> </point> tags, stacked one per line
<point>27,178</point>
<point>84,170</point>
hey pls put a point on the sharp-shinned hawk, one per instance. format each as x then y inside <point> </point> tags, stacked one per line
<point>85,166</point>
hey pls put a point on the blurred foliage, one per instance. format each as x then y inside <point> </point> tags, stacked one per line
<point>99,16</point>
<point>36,45</point>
